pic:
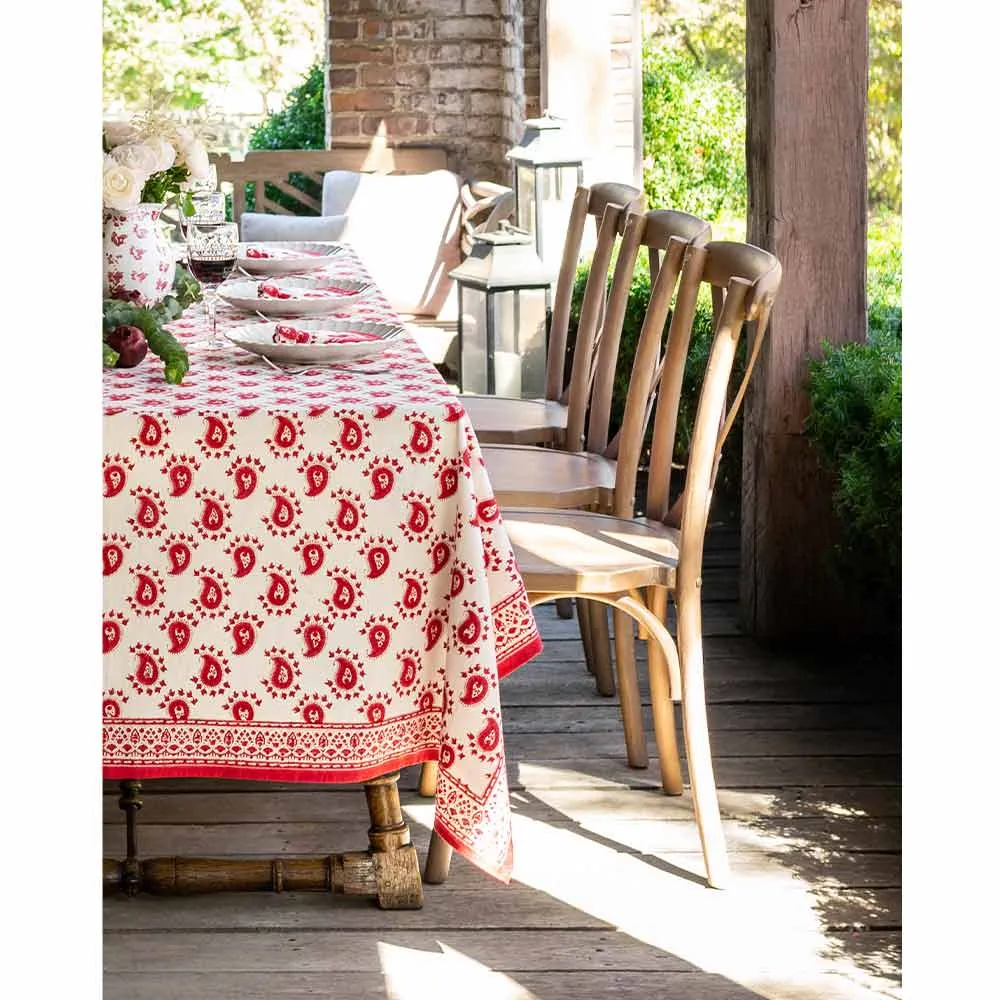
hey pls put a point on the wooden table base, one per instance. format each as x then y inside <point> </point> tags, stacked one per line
<point>389,870</point>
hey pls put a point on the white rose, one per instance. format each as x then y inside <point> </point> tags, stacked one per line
<point>195,157</point>
<point>122,185</point>
<point>117,133</point>
<point>164,150</point>
<point>140,157</point>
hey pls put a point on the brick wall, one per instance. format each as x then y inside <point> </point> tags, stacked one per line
<point>462,74</point>
<point>429,72</point>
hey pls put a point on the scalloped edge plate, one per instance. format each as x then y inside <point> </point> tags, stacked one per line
<point>242,293</point>
<point>312,256</point>
<point>257,339</point>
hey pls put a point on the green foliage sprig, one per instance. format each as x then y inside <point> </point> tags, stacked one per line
<point>151,320</point>
<point>856,424</point>
<point>161,185</point>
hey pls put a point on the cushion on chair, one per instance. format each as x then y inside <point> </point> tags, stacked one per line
<point>406,228</point>
<point>259,226</point>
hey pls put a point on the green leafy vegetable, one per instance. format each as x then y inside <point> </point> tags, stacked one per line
<point>151,320</point>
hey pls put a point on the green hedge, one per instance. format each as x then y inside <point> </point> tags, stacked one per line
<point>300,124</point>
<point>693,126</point>
<point>856,424</point>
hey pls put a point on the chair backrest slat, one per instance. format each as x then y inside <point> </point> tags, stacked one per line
<point>670,384</point>
<point>555,364</point>
<point>744,281</point>
<point>646,367</point>
<point>591,310</point>
<point>588,202</point>
<point>660,231</point>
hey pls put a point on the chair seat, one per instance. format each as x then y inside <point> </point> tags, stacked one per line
<point>523,476</point>
<point>506,420</point>
<point>578,551</point>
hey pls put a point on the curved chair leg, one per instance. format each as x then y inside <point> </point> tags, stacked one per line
<point>564,607</point>
<point>438,860</point>
<point>600,649</point>
<point>628,691</point>
<point>699,751</point>
<point>661,694</point>
<point>428,779</point>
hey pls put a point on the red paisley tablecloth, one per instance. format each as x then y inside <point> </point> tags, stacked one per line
<point>306,577</point>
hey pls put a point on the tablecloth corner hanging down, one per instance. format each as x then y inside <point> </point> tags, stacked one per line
<point>306,578</point>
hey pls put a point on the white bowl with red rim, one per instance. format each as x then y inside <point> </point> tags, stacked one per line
<point>316,295</point>
<point>316,342</point>
<point>275,257</point>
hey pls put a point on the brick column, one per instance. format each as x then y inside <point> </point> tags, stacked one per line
<point>447,73</point>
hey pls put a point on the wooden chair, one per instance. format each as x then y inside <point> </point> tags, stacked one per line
<point>635,564</point>
<point>582,475</point>
<point>505,420</point>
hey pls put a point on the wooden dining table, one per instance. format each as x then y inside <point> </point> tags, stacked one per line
<point>306,578</point>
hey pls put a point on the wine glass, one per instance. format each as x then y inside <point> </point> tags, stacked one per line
<point>207,201</point>
<point>211,252</point>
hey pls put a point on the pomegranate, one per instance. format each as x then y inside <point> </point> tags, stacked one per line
<point>130,344</point>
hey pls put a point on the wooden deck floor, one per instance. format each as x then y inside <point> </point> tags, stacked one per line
<point>607,899</point>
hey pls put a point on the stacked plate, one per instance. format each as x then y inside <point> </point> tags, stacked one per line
<point>270,259</point>
<point>315,342</point>
<point>286,282</point>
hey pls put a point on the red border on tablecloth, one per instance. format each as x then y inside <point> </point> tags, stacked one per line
<point>325,776</point>
<point>520,657</point>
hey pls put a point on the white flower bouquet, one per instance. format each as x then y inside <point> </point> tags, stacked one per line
<point>150,158</point>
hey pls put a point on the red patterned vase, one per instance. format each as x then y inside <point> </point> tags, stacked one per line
<point>139,263</point>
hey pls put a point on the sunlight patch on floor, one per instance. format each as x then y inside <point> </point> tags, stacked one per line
<point>411,974</point>
<point>764,932</point>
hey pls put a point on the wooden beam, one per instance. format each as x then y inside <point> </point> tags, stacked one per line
<point>807,76</point>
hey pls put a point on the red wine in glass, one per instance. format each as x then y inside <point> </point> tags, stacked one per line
<point>212,248</point>
<point>211,270</point>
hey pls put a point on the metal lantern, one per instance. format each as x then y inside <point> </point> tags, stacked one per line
<point>503,315</point>
<point>548,168</point>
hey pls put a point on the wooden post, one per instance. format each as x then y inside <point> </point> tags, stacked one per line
<point>807,73</point>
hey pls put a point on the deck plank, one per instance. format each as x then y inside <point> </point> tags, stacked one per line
<point>294,985</point>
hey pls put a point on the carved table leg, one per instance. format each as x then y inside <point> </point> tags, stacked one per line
<point>397,869</point>
<point>130,803</point>
<point>388,870</point>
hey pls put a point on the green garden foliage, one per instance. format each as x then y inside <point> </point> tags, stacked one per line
<point>694,122</point>
<point>300,124</point>
<point>707,38</point>
<point>856,424</point>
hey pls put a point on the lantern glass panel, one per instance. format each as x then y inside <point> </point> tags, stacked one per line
<point>525,180</point>
<point>556,188</point>
<point>515,363</point>
<point>529,307</point>
<point>473,345</point>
